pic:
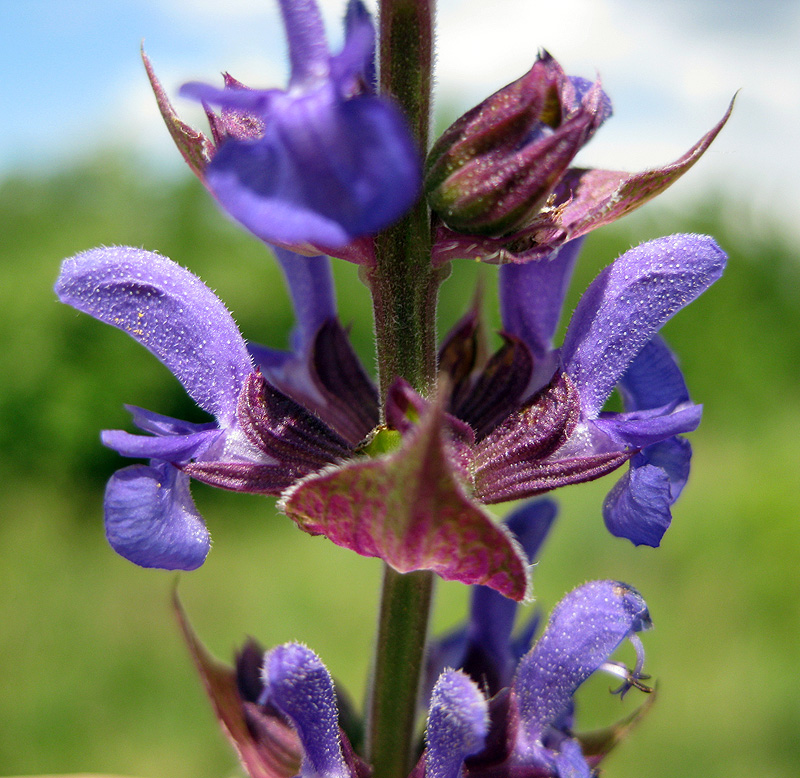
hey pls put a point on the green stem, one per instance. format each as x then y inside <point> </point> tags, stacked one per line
<point>404,289</point>
<point>403,283</point>
<point>400,653</point>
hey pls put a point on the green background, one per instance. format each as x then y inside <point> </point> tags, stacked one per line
<point>93,674</point>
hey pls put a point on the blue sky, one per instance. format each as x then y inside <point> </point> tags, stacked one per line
<point>72,80</point>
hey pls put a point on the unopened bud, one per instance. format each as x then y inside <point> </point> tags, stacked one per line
<point>497,165</point>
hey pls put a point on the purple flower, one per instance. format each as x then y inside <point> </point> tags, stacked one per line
<point>278,418</point>
<point>584,629</point>
<point>612,341</point>
<point>499,181</point>
<point>531,721</point>
<point>528,420</point>
<point>315,168</point>
<point>284,710</point>
<point>261,440</point>
<point>298,685</point>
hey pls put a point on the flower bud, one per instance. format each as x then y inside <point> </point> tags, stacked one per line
<point>497,165</point>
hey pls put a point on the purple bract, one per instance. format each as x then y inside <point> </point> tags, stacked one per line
<point>499,181</point>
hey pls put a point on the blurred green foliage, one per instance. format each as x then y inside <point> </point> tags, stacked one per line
<point>93,676</point>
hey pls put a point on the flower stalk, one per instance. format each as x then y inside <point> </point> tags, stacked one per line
<point>404,288</point>
<point>399,658</point>
<point>403,282</point>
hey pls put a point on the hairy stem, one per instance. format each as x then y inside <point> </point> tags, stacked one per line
<point>404,290</point>
<point>399,653</point>
<point>403,283</point>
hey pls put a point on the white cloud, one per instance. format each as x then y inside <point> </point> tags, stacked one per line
<point>670,68</point>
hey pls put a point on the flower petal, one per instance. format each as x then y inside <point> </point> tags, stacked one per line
<point>458,723</point>
<point>646,428</point>
<point>638,505</point>
<point>168,310</point>
<point>305,33</point>
<point>653,379</point>
<point>531,523</point>
<point>151,519</point>
<point>172,448</point>
<point>310,284</point>
<point>409,509</point>
<point>492,616</point>
<point>532,296</point>
<point>298,684</point>
<point>489,657</point>
<point>570,762</point>
<point>158,424</point>
<point>583,631</point>
<point>353,69</point>
<point>326,172</point>
<point>628,303</point>
<point>483,647</point>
